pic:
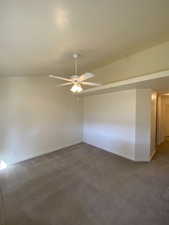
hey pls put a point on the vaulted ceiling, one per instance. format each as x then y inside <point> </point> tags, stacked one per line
<point>38,37</point>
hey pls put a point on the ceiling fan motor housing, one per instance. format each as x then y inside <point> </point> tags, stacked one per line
<point>75,78</point>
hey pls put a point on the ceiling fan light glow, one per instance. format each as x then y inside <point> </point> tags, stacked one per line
<point>76,88</point>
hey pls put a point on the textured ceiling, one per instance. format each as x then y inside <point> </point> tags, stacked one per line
<point>38,37</point>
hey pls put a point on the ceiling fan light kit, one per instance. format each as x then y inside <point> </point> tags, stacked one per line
<point>76,88</point>
<point>76,80</point>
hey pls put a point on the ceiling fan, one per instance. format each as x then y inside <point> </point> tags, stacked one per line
<point>76,80</point>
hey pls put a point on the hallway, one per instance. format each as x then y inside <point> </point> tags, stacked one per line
<point>163,152</point>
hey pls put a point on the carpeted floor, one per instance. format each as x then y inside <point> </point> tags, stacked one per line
<point>83,185</point>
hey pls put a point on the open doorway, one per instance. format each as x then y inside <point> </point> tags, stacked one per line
<point>163,118</point>
<point>167,122</point>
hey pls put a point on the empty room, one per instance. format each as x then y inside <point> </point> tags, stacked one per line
<point>84,112</point>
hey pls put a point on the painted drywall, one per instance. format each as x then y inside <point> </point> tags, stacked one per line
<point>160,121</point>
<point>141,63</point>
<point>153,123</point>
<point>109,122</point>
<point>145,136</point>
<point>36,118</point>
<point>142,136</point>
<point>122,122</point>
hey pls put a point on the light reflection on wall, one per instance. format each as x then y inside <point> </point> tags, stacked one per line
<point>3,165</point>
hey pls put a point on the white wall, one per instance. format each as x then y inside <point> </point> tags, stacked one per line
<point>144,62</point>
<point>160,121</point>
<point>153,122</point>
<point>145,137</point>
<point>122,123</point>
<point>109,122</point>
<point>36,118</point>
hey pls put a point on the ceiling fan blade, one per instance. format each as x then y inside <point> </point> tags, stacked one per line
<point>86,76</point>
<point>65,84</point>
<point>60,78</point>
<point>90,83</point>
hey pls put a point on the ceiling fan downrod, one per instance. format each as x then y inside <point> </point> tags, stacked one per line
<point>76,56</point>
